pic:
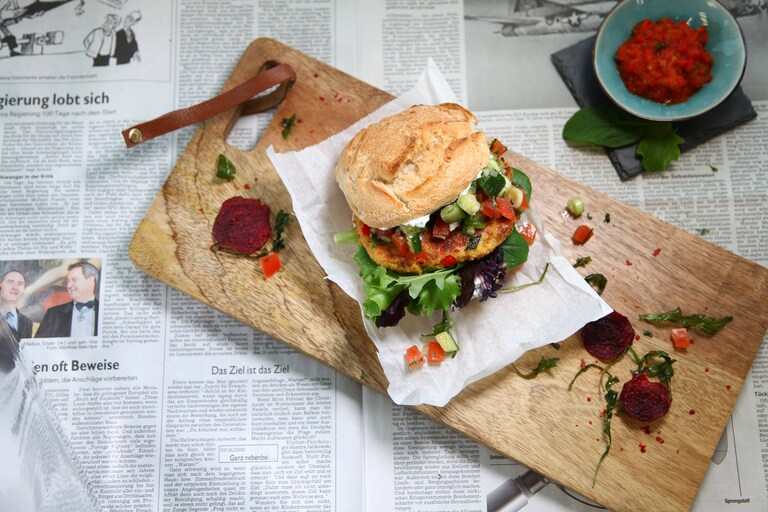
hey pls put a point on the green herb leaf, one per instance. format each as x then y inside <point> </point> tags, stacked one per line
<point>526,285</point>
<point>446,324</point>
<point>582,262</point>
<point>225,169</point>
<point>661,370</point>
<point>706,324</point>
<point>544,365</point>
<point>659,146</point>
<point>281,222</point>
<point>597,280</point>
<point>607,126</point>
<point>515,250</point>
<point>521,181</point>
<point>287,125</point>
<point>611,398</point>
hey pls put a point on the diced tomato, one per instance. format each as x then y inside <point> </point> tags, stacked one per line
<point>680,338</point>
<point>489,209</point>
<point>421,257</point>
<point>270,264</point>
<point>528,231</point>
<point>582,234</point>
<point>366,230</point>
<point>506,209</point>
<point>498,148</point>
<point>400,245</point>
<point>414,358</point>
<point>441,229</point>
<point>448,261</point>
<point>435,353</point>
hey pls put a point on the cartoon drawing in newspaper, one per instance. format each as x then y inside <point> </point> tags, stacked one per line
<point>15,11</point>
<point>100,42</point>
<point>126,47</point>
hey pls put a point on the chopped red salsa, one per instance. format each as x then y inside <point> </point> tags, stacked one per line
<point>664,61</point>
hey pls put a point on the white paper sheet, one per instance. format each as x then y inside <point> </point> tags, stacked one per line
<point>491,334</point>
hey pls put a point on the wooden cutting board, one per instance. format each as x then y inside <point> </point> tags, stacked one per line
<point>536,422</point>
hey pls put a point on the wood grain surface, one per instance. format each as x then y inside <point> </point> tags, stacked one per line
<point>536,422</point>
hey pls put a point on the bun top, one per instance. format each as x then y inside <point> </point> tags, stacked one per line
<point>410,164</point>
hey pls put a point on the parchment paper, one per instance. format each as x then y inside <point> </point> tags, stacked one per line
<point>491,334</point>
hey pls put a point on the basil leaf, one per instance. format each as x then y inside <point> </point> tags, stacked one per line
<point>521,181</point>
<point>659,146</point>
<point>515,250</point>
<point>607,126</point>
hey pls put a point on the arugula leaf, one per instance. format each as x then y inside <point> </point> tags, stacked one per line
<point>706,324</point>
<point>544,365</point>
<point>526,285</point>
<point>515,250</point>
<point>597,280</point>
<point>659,146</point>
<point>288,124</point>
<point>605,126</point>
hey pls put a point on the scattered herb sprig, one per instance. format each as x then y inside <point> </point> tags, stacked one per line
<point>288,124</point>
<point>706,324</point>
<point>278,244</point>
<point>526,285</point>
<point>609,126</point>
<point>582,262</point>
<point>597,280</point>
<point>225,169</point>
<point>649,365</point>
<point>544,365</point>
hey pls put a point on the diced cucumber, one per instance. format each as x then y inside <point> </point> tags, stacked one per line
<point>452,213</point>
<point>493,164</point>
<point>446,341</point>
<point>411,230</point>
<point>414,243</point>
<point>468,203</point>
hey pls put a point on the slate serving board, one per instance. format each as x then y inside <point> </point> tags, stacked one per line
<point>536,422</point>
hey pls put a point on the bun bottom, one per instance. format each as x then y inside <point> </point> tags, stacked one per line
<point>434,250</point>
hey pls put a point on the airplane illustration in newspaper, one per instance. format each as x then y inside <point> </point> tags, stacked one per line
<point>540,17</point>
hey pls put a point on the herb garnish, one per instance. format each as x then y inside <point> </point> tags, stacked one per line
<point>612,127</point>
<point>582,262</point>
<point>702,231</point>
<point>287,125</point>
<point>225,169</point>
<point>607,218</point>
<point>526,285</point>
<point>662,371</point>
<point>706,324</point>
<point>597,280</point>
<point>515,249</point>
<point>544,365</point>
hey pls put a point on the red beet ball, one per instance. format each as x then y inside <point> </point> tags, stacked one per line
<point>242,225</point>
<point>644,400</point>
<point>608,338</point>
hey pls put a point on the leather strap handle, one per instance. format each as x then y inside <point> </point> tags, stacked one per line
<point>270,75</point>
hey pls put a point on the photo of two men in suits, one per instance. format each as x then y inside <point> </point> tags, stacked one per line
<point>58,306</point>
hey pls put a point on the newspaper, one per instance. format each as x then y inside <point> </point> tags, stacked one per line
<point>173,406</point>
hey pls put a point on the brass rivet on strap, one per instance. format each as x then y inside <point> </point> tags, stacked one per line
<point>135,135</point>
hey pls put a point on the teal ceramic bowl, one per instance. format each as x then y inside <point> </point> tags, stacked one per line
<point>725,44</point>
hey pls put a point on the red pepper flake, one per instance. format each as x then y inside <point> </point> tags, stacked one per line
<point>603,413</point>
<point>692,412</point>
<point>583,364</point>
<point>589,399</point>
<point>637,337</point>
<point>706,370</point>
<point>174,235</point>
<point>315,75</point>
<point>647,430</point>
<point>301,120</point>
<point>642,447</point>
<point>597,439</point>
<point>629,263</point>
<point>659,440</point>
<point>247,186</point>
<point>201,210</point>
<point>656,252</point>
<point>311,131</point>
<point>728,387</point>
<point>322,98</point>
<point>590,422</point>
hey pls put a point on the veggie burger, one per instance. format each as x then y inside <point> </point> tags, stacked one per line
<point>435,210</point>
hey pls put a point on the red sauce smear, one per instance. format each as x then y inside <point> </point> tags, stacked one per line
<point>664,61</point>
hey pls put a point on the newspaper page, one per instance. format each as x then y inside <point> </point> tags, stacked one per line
<point>166,404</point>
<point>169,405</point>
